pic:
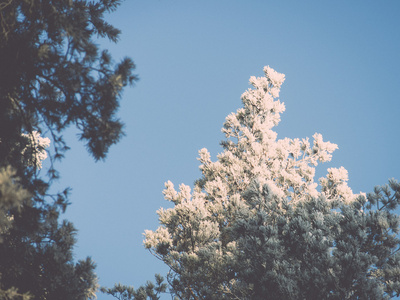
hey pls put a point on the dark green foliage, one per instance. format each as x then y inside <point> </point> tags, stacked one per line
<point>148,291</point>
<point>317,251</point>
<point>52,75</point>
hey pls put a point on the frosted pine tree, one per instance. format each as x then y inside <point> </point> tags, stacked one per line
<point>258,226</point>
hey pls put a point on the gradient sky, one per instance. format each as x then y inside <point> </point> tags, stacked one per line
<point>194,59</point>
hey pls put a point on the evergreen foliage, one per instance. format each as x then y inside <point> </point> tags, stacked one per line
<point>52,76</point>
<point>257,226</point>
<point>148,291</point>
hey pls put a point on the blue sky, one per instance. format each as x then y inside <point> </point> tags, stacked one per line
<point>194,58</point>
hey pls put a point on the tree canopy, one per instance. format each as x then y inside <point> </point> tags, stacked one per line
<point>258,226</point>
<point>53,75</point>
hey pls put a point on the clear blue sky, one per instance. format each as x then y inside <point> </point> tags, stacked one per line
<point>194,59</point>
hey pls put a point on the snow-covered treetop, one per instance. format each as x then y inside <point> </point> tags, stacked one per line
<point>253,152</point>
<point>215,236</point>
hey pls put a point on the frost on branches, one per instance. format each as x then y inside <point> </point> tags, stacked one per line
<point>257,226</point>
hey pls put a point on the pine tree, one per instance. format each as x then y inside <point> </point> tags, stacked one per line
<point>52,75</point>
<point>257,225</point>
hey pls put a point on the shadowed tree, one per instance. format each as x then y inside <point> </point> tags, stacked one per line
<point>52,75</point>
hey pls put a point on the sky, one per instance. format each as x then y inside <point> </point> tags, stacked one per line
<point>194,59</point>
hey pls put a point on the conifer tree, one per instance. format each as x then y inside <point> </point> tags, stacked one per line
<point>258,226</point>
<point>52,76</point>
